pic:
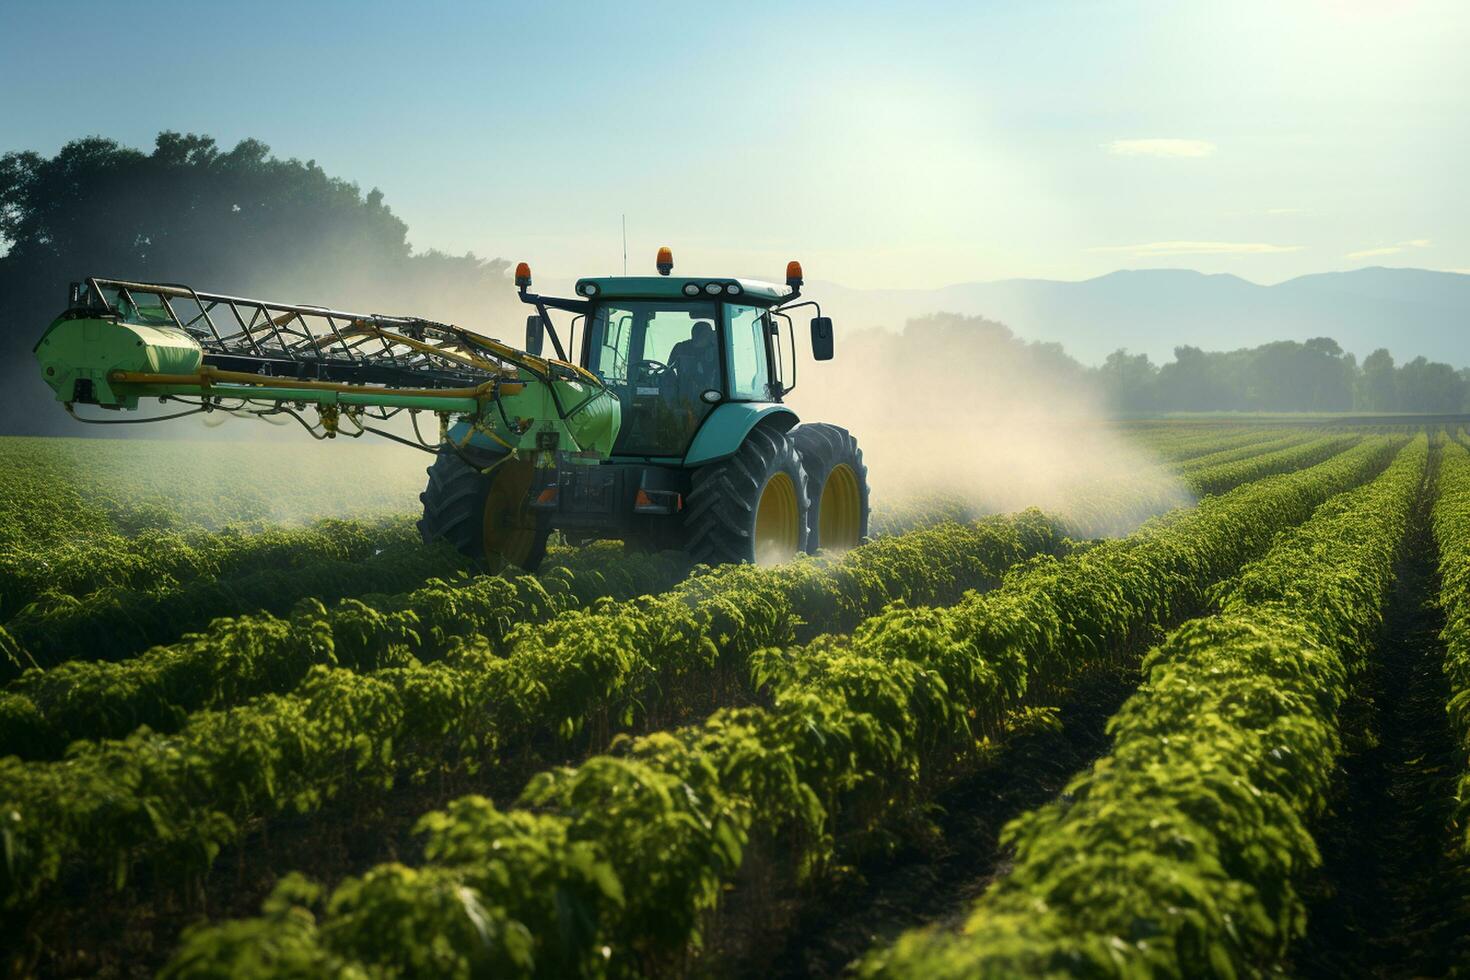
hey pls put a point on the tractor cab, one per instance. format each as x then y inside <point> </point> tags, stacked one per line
<point>671,358</point>
<point>674,349</point>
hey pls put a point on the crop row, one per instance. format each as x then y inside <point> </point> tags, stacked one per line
<point>1222,477</point>
<point>1450,519</point>
<point>1119,503</point>
<point>612,866</point>
<point>41,713</point>
<point>238,658</point>
<point>178,799</point>
<point>1281,440</point>
<point>87,514</point>
<point>1176,854</point>
<point>53,576</point>
<point>115,623</point>
<point>1181,442</point>
<point>71,487</point>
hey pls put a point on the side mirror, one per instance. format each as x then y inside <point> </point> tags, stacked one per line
<point>822,338</point>
<point>535,334</point>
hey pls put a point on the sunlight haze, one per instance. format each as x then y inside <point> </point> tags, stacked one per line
<point>887,147</point>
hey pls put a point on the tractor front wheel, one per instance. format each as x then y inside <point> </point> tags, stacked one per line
<point>484,514</point>
<point>749,507</point>
<point>838,483</point>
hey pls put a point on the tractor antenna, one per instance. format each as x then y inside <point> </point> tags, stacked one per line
<point>625,244</point>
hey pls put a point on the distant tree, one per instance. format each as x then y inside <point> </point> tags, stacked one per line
<point>1315,376</point>
<point>1376,389</point>
<point>1198,381</point>
<point>1431,387</point>
<point>1332,372</point>
<point>1051,360</point>
<point>235,220</point>
<point>1128,381</point>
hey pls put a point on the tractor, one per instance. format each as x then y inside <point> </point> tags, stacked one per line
<point>659,420</point>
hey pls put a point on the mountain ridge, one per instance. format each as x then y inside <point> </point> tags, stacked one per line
<point>1411,311</point>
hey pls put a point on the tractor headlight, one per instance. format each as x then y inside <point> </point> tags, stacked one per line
<point>733,288</point>
<point>588,289</point>
<point>691,289</point>
<point>714,288</point>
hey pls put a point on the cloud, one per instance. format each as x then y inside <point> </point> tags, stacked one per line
<point>1160,148</point>
<point>1368,253</point>
<point>1199,248</point>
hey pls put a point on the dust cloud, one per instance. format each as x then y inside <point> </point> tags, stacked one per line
<point>956,416</point>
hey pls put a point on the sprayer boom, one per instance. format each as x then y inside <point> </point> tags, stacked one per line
<point>119,341</point>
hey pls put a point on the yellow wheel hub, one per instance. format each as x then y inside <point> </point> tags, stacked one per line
<point>840,512</point>
<point>777,521</point>
<point>510,525</point>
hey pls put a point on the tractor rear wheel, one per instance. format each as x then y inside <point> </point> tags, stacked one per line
<point>837,481</point>
<point>484,515</point>
<point>749,507</point>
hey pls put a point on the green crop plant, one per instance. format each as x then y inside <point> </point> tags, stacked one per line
<point>1451,524</point>
<point>1177,854</point>
<point>176,800</point>
<point>854,732</point>
<point>239,658</point>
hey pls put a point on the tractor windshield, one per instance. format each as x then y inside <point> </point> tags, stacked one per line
<point>658,358</point>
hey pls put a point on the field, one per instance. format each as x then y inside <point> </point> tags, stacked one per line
<point>251,726</point>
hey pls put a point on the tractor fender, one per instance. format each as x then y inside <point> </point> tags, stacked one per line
<point>726,427</point>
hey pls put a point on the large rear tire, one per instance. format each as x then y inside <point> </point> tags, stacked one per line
<point>837,481</point>
<point>749,507</point>
<point>484,515</point>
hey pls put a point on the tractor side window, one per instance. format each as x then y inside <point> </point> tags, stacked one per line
<point>745,340</point>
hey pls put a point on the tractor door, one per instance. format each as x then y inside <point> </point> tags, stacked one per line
<point>748,354</point>
<point>660,359</point>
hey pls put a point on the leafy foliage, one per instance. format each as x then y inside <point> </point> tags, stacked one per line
<point>853,733</point>
<point>1451,524</point>
<point>177,799</point>
<point>1177,853</point>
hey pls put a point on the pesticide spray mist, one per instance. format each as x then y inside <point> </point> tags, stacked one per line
<point>958,417</point>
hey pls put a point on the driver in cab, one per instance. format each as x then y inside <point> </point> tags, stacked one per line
<point>696,361</point>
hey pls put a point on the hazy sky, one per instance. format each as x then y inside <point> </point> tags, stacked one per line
<point>913,144</point>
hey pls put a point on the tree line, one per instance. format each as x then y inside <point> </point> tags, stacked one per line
<point>1316,375</point>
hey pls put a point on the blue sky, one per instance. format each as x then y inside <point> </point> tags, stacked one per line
<point>902,145</point>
